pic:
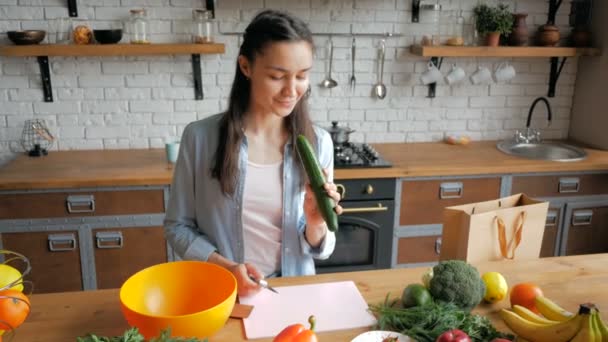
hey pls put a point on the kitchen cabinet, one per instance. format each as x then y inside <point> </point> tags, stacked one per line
<point>577,212</point>
<point>417,237</point>
<point>585,228</point>
<point>54,257</point>
<point>550,244</point>
<point>418,249</point>
<point>121,252</point>
<point>423,201</point>
<point>82,239</point>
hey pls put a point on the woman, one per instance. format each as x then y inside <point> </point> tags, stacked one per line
<point>239,197</point>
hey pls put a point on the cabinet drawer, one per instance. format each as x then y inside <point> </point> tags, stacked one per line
<point>418,249</point>
<point>121,252</point>
<point>551,230</point>
<point>562,185</point>
<point>422,202</point>
<point>94,203</point>
<point>54,257</point>
<point>587,231</point>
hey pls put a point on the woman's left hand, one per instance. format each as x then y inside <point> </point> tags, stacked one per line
<point>315,224</point>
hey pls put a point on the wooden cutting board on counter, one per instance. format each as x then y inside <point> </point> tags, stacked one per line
<point>335,305</point>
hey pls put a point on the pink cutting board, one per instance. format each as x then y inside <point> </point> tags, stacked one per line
<point>336,306</point>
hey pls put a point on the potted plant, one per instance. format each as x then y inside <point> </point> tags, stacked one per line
<point>492,22</point>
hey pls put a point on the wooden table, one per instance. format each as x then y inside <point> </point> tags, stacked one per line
<point>568,280</point>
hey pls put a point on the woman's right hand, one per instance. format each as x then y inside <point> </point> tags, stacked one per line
<point>243,274</point>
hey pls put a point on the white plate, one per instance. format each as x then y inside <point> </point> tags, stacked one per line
<point>379,336</point>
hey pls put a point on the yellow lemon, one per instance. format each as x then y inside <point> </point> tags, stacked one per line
<point>496,287</point>
<point>9,274</point>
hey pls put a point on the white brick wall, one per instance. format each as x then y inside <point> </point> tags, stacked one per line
<point>138,102</point>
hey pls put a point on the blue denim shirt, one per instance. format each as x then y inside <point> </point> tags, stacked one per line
<point>201,219</point>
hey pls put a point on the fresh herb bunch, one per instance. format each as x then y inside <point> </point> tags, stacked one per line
<point>133,335</point>
<point>493,19</point>
<point>426,323</point>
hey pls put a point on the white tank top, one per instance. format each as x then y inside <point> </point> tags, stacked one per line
<point>262,216</point>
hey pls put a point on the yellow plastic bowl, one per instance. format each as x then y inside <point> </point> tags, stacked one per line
<point>193,298</point>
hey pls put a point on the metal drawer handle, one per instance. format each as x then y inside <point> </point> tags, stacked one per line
<point>108,240</point>
<point>62,242</point>
<point>569,184</point>
<point>451,190</point>
<point>582,217</point>
<point>438,246</point>
<point>81,204</point>
<point>551,218</point>
<point>380,207</point>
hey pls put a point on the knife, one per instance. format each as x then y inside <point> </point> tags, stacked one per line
<point>263,283</point>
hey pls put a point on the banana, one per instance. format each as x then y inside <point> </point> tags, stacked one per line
<point>601,326</point>
<point>551,310</point>
<point>587,331</point>
<point>557,332</point>
<point>531,316</point>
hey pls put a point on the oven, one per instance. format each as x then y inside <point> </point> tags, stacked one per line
<point>364,237</point>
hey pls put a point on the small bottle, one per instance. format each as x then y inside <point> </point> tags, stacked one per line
<point>202,26</point>
<point>139,26</point>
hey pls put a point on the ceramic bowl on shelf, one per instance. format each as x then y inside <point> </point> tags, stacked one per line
<point>194,298</point>
<point>26,37</point>
<point>107,36</point>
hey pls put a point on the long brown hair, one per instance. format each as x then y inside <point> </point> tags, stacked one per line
<point>267,27</point>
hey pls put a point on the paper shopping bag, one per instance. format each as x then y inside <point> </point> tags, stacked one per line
<point>507,228</point>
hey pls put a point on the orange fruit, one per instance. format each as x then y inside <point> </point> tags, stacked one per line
<point>523,294</point>
<point>14,308</point>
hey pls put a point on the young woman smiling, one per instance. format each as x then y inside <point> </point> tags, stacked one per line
<point>240,196</point>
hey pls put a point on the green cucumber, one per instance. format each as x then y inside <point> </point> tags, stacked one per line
<point>317,179</point>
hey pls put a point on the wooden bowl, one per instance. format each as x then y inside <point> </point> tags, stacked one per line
<point>26,37</point>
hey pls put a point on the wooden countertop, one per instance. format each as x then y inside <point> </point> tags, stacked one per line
<point>67,169</point>
<point>567,280</point>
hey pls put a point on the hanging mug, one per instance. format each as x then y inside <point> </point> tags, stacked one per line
<point>431,75</point>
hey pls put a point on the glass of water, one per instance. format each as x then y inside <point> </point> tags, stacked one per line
<point>61,30</point>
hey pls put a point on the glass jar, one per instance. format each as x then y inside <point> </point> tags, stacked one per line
<point>430,14</point>
<point>456,36</point>
<point>138,24</point>
<point>202,26</point>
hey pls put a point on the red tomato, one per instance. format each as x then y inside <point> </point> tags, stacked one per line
<point>523,294</point>
<point>14,308</point>
<point>453,335</point>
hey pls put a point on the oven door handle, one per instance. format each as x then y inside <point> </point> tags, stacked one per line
<point>377,208</point>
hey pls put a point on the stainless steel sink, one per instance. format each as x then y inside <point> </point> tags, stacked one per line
<point>545,150</point>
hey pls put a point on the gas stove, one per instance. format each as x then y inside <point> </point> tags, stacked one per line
<point>357,155</point>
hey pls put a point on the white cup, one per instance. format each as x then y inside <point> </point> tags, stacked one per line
<point>455,75</point>
<point>431,75</point>
<point>482,75</point>
<point>504,72</point>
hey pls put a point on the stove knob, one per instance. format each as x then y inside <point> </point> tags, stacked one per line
<point>369,189</point>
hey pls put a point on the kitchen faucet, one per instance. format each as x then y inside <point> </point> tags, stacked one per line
<point>533,135</point>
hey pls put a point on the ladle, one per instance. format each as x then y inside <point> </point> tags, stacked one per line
<point>328,82</point>
<point>380,88</point>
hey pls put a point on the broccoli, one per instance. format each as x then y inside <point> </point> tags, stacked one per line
<point>457,282</point>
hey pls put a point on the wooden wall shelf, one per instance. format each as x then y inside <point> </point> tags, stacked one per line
<point>437,53</point>
<point>43,51</point>
<point>110,50</point>
<point>501,51</point>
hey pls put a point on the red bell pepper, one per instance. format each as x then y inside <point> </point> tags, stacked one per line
<point>298,333</point>
<point>453,335</point>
